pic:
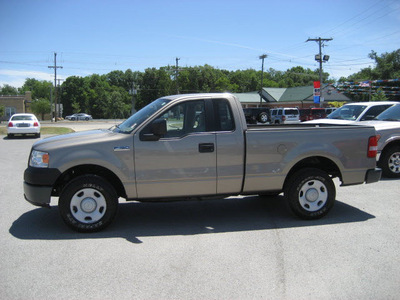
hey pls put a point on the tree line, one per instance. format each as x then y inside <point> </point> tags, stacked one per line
<point>110,95</point>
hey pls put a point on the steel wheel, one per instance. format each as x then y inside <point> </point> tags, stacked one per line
<point>88,206</point>
<point>313,195</point>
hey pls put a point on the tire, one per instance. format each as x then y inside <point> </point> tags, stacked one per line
<point>37,135</point>
<point>390,162</point>
<point>86,119</point>
<point>263,117</point>
<point>72,119</point>
<point>310,193</point>
<point>10,135</point>
<point>88,203</point>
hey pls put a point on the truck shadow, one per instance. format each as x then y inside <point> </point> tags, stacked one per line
<point>135,220</point>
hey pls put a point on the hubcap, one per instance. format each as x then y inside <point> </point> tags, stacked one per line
<point>313,195</point>
<point>88,205</point>
<point>394,162</point>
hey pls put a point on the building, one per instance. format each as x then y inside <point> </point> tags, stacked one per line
<point>300,97</point>
<point>15,104</point>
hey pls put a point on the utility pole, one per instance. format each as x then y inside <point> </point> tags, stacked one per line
<point>55,67</point>
<point>60,111</point>
<point>262,57</point>
<point>176,75</point>
<point>320,59</point>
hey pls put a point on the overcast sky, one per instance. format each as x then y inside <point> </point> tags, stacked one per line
<point>94,36</point>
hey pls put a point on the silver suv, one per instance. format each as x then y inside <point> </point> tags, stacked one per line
<point>285,115</point>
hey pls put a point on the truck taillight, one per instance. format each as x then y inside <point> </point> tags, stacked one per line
<point>10,124</point>
<point>373,146</point>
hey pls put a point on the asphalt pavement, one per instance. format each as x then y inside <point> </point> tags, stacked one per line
<point>236,248</point>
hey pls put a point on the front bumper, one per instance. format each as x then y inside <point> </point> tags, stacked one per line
<point>373,175</point>
<point>38,185</point>
<point>37,195</point>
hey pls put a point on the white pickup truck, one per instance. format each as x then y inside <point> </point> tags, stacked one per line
<point>196,146</point>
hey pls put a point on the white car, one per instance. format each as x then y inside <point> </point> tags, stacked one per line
<point>387,126</point>
<point>355,112</point>
<point>23,124</point>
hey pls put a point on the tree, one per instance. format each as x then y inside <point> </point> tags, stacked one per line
<point>2,110</point>
<point>379,95</point>
<point>39,89</point>
<point>8,90</point>
<point>41,107</point>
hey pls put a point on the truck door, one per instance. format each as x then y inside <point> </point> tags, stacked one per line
<point>183,161</point>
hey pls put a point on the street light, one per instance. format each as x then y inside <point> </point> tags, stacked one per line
<point>262,57</point>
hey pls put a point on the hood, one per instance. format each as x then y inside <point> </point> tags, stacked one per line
<point>76,139</point>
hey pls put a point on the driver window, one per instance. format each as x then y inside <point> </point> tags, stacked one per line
<point>184,118</point>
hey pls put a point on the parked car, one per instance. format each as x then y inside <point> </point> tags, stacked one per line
<point>80,116</point>
<point>285,115</point>
<point>355,112</point>
<point>256,114</point>
<point>387,126</point>
<point>23,124</point>
<point>308,114</point>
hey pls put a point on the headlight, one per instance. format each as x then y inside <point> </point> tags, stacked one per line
<point>39,159</point>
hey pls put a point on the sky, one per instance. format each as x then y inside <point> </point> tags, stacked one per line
<point>99,36</point>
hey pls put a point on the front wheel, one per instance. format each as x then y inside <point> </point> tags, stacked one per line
<point>390,162</point>
<point>88,203</point>
<point>310,193</point>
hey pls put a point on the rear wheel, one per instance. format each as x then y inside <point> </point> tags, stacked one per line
<point>88,203</point>
<point>310,193</point>
<point>390,162</point>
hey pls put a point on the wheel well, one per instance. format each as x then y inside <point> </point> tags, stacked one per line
<point>76,171</point>
<point>318,162</point>
<point>390,145</point>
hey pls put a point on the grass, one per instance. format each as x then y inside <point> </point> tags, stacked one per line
<point>45,130</point>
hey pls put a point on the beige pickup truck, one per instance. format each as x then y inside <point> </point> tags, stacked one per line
<point>196,146</point>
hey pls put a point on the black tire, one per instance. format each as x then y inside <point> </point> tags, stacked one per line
<point>38,135</point>
<point>86,119</point>
<point>88,203</point>
<point>263,117</point>
<point>10,135</point>
<point>310,193</point>
<point>73,119</point>
<point>389,162</point>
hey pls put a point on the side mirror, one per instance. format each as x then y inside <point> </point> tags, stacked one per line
<point>154,131</point>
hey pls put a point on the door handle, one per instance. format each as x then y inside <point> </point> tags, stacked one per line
<point>206,147</point>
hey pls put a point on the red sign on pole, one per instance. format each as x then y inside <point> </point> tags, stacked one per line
<point>317,91</point>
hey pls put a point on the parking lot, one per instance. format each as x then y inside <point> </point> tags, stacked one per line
<point>236,248</point>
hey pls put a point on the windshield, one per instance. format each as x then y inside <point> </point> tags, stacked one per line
<point>139,117</point>
<point>347,112</point>
<point>391,114</point>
